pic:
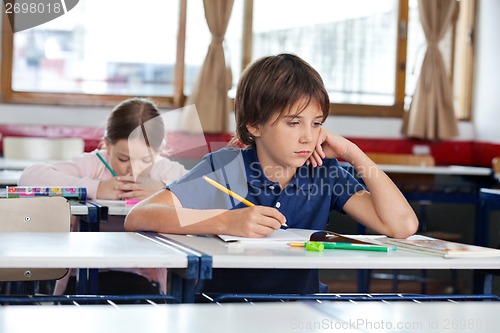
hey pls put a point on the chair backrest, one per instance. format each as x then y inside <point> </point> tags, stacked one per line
<point>407,182</point>
<point>402,159</point>
<point>42,148</point>
<point>40,214</point>
<point>495,164</point>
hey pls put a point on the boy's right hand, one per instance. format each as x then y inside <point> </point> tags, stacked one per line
<point>256,222</point>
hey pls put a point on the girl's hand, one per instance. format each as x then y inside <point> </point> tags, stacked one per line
<point>329,145</point>
<point>257,221</point>
<point>131,188</point>
<point>107,189</point>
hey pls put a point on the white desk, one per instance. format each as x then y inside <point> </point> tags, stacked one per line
<point>412,317</point>
<point>16,164</point>
<point>91,215</point>
<point>491,191</point>
<point>452,170</point>
<point>9,177</point>
<point>114,207</point>
<point>92,250</point>
<point>259,317</point>
<point>282,256</point>
<point>86,250</point>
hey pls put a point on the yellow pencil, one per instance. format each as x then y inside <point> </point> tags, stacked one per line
<point>231,193</point>
<point>228,191</point>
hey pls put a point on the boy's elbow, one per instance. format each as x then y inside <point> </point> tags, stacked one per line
<point>408,227</point>
<point>130,223</point>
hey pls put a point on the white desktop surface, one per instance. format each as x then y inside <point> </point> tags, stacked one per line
<point>491,191</point>
<point>78,208</point>
<point>17,164</point>
<point>225,255</point>
<point>86,250</point>
<point>255,317</point>
<point>115,207</point>
<point>202,318</point>
<point>451,170</point>
<point>9,177</point>
<point>412,317</point>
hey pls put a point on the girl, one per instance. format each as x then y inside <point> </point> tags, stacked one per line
<point>131,146</point>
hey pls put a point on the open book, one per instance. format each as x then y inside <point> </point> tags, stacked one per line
<point>278,236</point>
<point>284,236</point>
<point>446,249</point>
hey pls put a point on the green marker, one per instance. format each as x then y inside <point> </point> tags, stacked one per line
<point>106,164</point>
<point>343,246</point>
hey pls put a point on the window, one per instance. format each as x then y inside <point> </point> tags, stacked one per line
<point>98,50</point>
<point>367,51</point>
<point>353,44</point>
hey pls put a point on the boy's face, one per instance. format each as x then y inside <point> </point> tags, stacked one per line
<point>289,140</point>
<point>130,159</point>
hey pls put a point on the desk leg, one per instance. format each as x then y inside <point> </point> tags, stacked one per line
<point>175,286</point>
<point>482,223</point>
<point>81,281</point>
<point>363,280</point>
<point>181,288</point>
<point>93,281</point>
<point>87,281</point>
<point>483,282</point>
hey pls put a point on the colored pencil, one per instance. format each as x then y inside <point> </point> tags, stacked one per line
<point>231,193</point>
<point>106,164</point>
<point>228,191</point>
<point>348,246</point>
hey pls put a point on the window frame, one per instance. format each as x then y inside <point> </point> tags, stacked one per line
<point>465,66</point>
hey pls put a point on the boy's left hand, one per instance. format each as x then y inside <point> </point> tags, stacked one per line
<point>329,145</point>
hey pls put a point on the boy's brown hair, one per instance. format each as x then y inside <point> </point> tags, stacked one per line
<point>276,84</point>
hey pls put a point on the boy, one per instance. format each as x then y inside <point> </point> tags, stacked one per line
<point>288,170</point>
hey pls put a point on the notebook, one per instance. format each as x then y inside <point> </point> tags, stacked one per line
<point>278,236</point>
<point>443,248</point>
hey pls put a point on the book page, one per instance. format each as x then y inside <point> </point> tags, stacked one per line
<point>280,235</point>
<point>443,248</point>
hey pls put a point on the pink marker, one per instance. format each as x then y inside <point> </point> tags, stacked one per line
<point>131,202</point>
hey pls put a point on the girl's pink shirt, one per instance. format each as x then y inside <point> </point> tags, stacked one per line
<point>87,171</point>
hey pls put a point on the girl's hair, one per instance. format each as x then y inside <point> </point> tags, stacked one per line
<point>276,84</point>
<point>132,114</point>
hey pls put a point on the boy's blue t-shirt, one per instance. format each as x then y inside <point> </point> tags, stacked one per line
<point>306,203</point>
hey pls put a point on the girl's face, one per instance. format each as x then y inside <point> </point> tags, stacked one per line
<point>130,157</point>
<point>288,141</point>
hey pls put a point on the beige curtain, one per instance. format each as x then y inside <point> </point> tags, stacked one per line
<point>209,94</point>
<point>431,115</point>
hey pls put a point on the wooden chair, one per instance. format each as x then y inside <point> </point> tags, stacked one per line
<point>495,165</point>
<point>39,214</point>
<point>42,148</point>
<point>402,159</point>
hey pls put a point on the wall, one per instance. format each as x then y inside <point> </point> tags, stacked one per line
<point>487,73</point>
<point>486,105</point>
